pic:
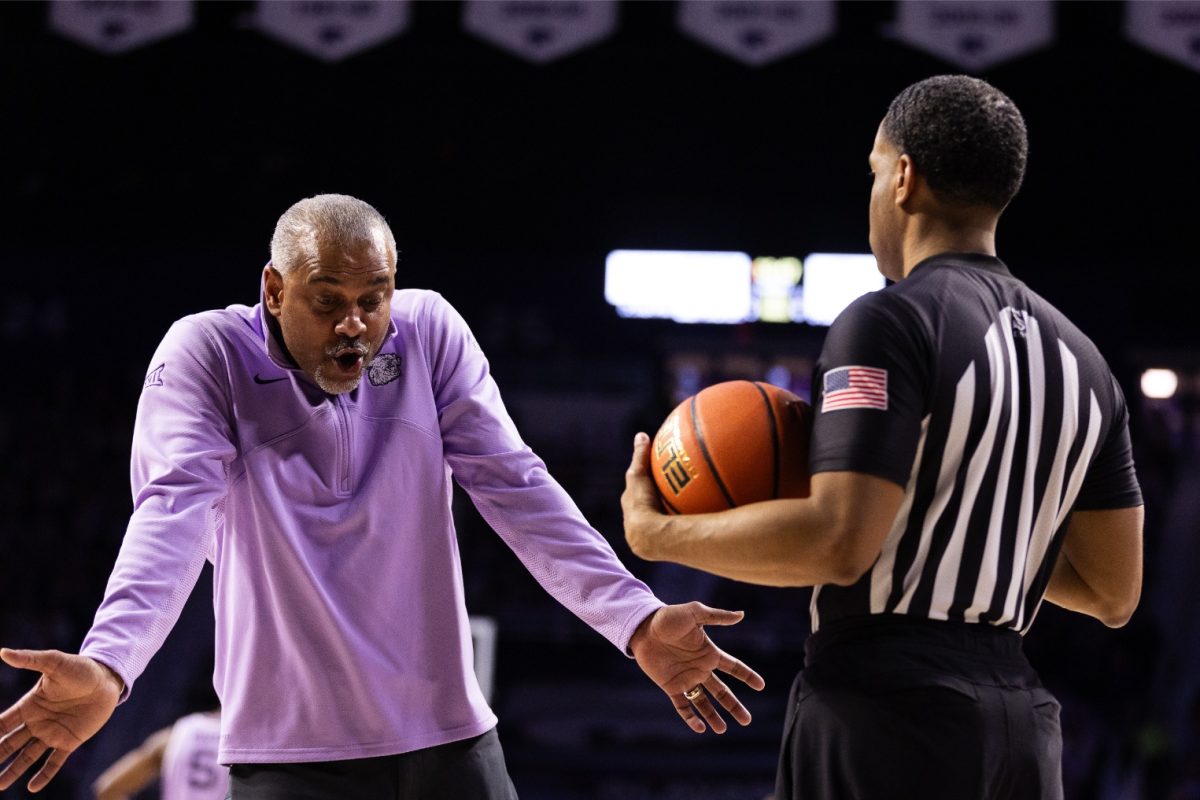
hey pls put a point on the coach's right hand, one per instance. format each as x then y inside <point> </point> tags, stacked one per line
<point>72,700</point>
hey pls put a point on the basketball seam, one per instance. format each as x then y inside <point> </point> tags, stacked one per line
<point>707,458</point>
<point>774,439</point>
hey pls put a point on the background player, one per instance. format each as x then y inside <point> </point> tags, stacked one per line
<point>970,457</point>
<point>183,755</point>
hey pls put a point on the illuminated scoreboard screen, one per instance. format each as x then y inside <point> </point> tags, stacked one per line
<point>731,287</point>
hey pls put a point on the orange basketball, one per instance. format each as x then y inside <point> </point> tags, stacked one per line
<point>731,444</point>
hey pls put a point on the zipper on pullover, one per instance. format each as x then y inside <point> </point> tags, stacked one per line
<point>342,486</point>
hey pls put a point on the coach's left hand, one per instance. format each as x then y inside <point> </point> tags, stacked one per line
<point>672,648</point>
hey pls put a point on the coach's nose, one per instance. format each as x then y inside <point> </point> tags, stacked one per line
<point>351,326</point>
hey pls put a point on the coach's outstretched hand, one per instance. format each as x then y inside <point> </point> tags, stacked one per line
<point>70,702</point>
<point>672,648</point>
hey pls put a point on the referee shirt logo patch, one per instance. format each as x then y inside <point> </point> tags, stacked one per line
<point>854,387</point>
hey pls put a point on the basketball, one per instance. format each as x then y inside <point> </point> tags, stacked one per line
<point>733,443</point>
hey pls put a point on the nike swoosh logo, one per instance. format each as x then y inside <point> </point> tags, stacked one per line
<point>260,379</point>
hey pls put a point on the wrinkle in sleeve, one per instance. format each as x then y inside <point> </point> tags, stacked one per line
<point>515,493</point>
<point>182,445</point>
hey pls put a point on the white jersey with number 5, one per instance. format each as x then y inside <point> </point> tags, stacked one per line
<point>190,770</point>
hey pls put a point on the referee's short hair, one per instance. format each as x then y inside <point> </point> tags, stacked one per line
<point>965,137</point>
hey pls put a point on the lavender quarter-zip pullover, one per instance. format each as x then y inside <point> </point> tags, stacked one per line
<point>341,630</point>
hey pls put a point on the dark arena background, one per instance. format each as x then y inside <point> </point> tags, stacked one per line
<point>142,184</point>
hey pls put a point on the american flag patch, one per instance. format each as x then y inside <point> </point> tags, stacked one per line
<point>855,387</point>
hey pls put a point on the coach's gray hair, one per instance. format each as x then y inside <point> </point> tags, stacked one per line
<point>326,220</point>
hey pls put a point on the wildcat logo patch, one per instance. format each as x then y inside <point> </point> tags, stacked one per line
<point>384,369</point>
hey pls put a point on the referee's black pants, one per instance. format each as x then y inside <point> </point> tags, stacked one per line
<point>896,708</point>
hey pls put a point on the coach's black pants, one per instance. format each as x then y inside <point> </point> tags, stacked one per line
<point>889,708</point>
<point>472,769</point>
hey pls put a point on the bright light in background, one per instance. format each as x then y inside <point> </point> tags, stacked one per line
<point>719,286</point>
<point>833,281</point>
<point>683,285</point>
<point>775,295</point>
<point>1159,384</point>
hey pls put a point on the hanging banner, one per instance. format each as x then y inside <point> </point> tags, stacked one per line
<point>1171,29</point>
<point>116,26</point>
<point>332,29</point>
<point>975,34</point>
<point>757,32</point>
<point>541,30</point>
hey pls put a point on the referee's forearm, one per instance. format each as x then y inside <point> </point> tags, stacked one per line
<point>776,543</point>
<point>1067,589</point>
<point>1099,569</point>
<point>832,536</point>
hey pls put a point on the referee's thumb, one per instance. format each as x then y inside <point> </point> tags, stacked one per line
<point>640,454</point>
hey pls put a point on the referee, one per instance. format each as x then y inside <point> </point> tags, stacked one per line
<point>970,458</point>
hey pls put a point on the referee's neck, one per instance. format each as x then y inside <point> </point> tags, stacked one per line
<point>930,236</point>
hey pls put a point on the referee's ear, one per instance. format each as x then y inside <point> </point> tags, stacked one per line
<point>907,179</point>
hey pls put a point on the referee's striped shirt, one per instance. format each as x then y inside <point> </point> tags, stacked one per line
<point>996,415</point>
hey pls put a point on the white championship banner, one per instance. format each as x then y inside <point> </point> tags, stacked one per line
<point>117,26</point>
<point>1171,29</point>
<point>541,30</point>
<point>975,34</point>
<point>757,32</point>
<point>332,29</point>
